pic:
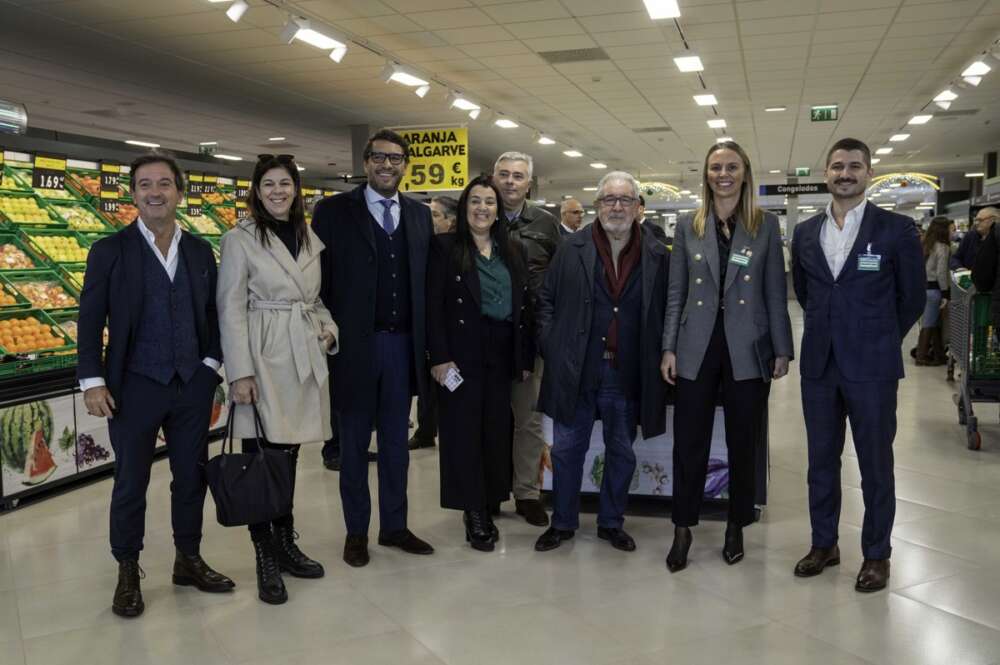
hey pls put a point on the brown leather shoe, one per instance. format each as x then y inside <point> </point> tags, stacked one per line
<point>532,511</point>
<point>818,558</point>
<point>356,551</point>
<point>873,575</point>
<point>406,541</point>
<point>191,570</point>
<point>128,596</point>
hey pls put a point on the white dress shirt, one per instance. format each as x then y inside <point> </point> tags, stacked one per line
<point>169,263</point>
<point>837,242</point>
<point>374,199</point>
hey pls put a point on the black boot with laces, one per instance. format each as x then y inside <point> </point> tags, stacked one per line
<point>270,586</point>
<point>128,596</point>
<point>290,558</point>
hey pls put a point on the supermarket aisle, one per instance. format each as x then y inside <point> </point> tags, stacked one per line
<point>585,603</point>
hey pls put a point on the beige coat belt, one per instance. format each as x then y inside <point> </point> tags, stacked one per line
<point>302,326</point>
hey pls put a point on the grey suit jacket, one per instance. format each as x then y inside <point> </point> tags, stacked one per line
<point>755,301</point>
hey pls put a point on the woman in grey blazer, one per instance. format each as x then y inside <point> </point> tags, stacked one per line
<point>726,332</point>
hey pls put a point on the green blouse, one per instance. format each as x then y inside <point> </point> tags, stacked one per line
<point>494,287</point>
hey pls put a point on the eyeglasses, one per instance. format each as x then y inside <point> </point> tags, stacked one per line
<point>286,159</point>
<point>612,201</point>
<point>395,158</point>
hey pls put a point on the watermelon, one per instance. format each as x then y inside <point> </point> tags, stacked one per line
<point>18,425</point>
<point>39,464</point>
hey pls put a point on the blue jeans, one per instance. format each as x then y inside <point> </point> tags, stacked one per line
<point>571,440</point>
<point>932,310</point>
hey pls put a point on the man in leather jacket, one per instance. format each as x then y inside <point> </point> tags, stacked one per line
<point>538,231</point>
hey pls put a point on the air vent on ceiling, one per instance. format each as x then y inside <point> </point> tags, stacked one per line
<point>574,55</point>
<point>957,113</point>
<point>652,130</point>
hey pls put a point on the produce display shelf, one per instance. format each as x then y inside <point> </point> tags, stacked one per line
<point>12,247</point>
<point>59,293</point>
<point>32,238</point>
<point>73,273</point>
<point>54,221</point>
<point>64,194</point>
<point>39,359</point>
<point>224,216</point>
<point>9,182</point>
<point>90,220</point>
<point>127,213</point>
<point>8,293</point>
<point>201,226</point>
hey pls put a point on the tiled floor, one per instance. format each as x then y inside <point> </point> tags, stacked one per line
<point>583,603</point>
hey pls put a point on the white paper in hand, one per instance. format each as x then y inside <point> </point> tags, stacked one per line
<point>452,380</point>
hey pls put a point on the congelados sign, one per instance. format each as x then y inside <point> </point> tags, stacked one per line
<point>439,159</point>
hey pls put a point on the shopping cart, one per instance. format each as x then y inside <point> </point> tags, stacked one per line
<point>973,348</point>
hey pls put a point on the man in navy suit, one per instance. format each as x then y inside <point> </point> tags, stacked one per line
<point>858,272</point>
<point>374,267</point>
<point>154,286</point>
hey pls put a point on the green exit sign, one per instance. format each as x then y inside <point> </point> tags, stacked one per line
<point>826,113</point>
<point>802,171</point>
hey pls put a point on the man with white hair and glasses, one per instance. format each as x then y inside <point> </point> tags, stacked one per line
<point>599,324</point>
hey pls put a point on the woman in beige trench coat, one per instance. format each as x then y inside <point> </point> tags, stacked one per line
<point>275,337</point>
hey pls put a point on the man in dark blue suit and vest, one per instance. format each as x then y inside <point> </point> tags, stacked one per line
<point>373,284</point>
<point>858,272</point>
<point>153,285</point>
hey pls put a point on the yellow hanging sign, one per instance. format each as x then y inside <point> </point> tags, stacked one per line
<point>439,159</point>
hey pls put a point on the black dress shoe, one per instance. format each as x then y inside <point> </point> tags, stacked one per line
<point>406,541</point>
<point>356,551</point>
<point>191,570</point>
<point>477,530</point>
<point>332,463</point>
<point>552,538</point>
<point>818,558</point>
<point>291,559</point>
<point>416,443</point>
<point>677,558</point>
<point>270,586</point>
<point>873,576</point>
<point>618,538</point>
<point>532,511</point>
<point>732,549</point>
<point>128,596</point>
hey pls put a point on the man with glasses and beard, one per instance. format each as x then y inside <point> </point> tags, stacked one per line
<point>600,322</point>
<point>858,272</point>
<point>374,268</point>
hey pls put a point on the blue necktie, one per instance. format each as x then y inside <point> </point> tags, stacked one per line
<point>388,223</point>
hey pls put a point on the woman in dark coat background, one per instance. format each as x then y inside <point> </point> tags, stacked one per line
<point>478,323</point>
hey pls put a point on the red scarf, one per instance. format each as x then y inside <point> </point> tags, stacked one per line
<point>628,259</point>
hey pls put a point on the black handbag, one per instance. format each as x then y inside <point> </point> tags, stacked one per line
<point>249,488</point>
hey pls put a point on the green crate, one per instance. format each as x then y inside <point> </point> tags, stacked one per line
<point>66,317</point>
<point>62,206</point>
<point>56,223</point>
<point>67,345</point>
<point>26,176</point>
<point>214,213</point>
<point>66,271</point>
<point>985,355</point>
<point>15,184</point>
<point>27,234</point>
<point>16,280</point>
<point>20,301</point>
<point>217,229</point>
<point>32,254</point>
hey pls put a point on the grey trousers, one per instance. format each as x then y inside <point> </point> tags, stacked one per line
<point>529,443</point>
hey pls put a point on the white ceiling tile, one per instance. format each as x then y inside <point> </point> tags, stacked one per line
<point>554,28</point>
<point>516,12</point>
<point>455,18</point>
<point>565,42</point>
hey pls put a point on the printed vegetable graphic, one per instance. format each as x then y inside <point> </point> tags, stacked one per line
<point>18,425</point>
<point>67,440</point>
<point>39,464</point>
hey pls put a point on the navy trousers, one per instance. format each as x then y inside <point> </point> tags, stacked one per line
<point>183,410</point>
<point>828,403</point>
<point>571,440</point>
<point>390,412</point>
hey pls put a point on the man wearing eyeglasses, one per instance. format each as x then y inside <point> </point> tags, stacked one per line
<point>538,231</point>
<point>374,266</point>
<point>599,322</point>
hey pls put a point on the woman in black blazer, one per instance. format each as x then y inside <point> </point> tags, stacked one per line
<point>479,325</point>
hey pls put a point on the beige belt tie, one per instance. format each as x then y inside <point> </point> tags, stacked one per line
<point>302,324</point>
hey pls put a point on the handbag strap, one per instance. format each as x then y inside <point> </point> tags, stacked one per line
<point>258,427</point>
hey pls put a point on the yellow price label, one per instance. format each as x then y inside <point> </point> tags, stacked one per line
<point>111,168</point>
<point>50,163</point>
<point>439,159</point>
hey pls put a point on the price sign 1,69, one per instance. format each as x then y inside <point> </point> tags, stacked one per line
<point>48,180</point>
<point>49,172</point>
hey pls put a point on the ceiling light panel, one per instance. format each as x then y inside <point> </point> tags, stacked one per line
<point>717,123</point>
<point>660,9</point>
<point>687,61</point>
<point>706,99</point>
<point>978,68</point>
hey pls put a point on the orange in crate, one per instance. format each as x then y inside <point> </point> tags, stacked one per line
<point>28,335</point>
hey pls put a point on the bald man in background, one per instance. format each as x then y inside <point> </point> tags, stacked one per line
<point>571,213</point>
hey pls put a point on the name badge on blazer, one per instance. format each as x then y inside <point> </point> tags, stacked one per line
<point>741,258</point>
<point>869,262</point>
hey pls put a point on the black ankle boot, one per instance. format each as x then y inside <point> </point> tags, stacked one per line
<point>477,530</point>
<point>494,531</point>
<point>732,551</point>
<point>270,587</point>
<point>677,559</point>
<point>291,560</point>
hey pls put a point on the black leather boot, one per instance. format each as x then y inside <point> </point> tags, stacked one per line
<point>494,531</point>
<point>128,596</point>
<point>732,550</point>
<point>477,530</point>
<point>677,559</point>
<point>291,560</point>
<point>270,586</point>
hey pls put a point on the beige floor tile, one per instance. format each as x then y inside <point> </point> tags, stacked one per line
<point>10,626</point>
<point>958,535</point>
<point>974,596</point>
<point>13,652</point>
<point>396,648</point>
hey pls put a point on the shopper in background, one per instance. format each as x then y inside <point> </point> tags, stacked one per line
<point>538,231</point>
<point>373,284</point>
<point>726,335</point>
<point>858,273</point>
<point>600,323</point>
<point>153,285</point>
<point>571,217</point>
<point>937,250</point>
<point>654,228</point>
<point>965,255</point>
<point>986,270</point>
<point>275,335</point>
<point>479,325</point>
<point>444,212</point>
